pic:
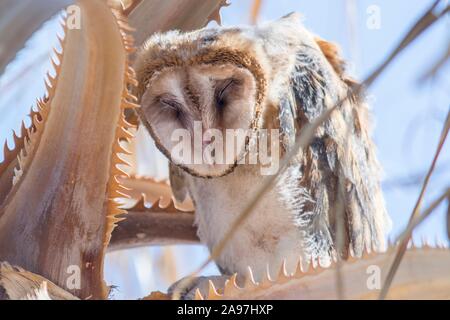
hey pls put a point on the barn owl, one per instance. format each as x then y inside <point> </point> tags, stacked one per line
<point>272,78</point>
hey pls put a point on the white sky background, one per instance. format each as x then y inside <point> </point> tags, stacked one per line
<point>408,114</point>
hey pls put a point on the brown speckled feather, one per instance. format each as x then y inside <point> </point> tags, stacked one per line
<point>340,151</point>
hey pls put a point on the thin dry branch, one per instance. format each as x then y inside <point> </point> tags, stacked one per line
<point>406,234</point>
<point>436,66</point>
<point>19,20</point>
<point>256,9</point>
<point>404,244</point>
<point>340,222</point>
<point>414,179</point>
<point>427,19</point>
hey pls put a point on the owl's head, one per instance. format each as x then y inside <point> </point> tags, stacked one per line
<point>214,84</point>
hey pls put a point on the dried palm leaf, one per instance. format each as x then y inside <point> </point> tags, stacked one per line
<point>60,210</point>
<point>151,226</point>
<point>19,20</point>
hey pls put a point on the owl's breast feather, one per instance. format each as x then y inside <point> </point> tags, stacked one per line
<point>268,236</point>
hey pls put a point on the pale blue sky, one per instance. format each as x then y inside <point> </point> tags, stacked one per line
<point>408,114</point>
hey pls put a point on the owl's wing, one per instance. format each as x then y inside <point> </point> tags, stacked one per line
<point>177,183</point>
<point>341,153</point>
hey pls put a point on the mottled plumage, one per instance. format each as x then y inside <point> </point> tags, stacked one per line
<point>292,77</point>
